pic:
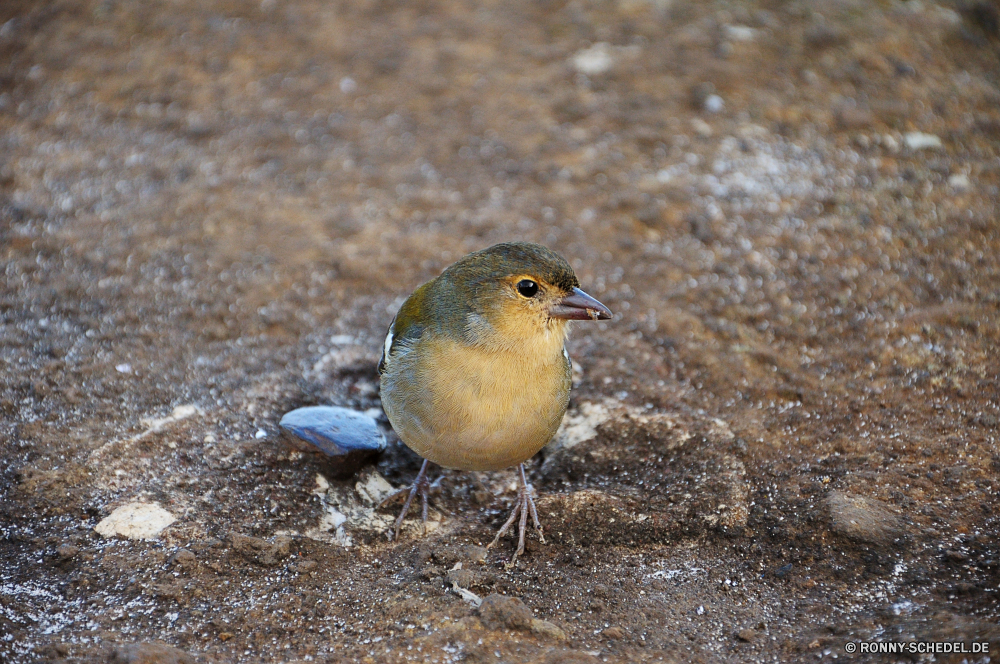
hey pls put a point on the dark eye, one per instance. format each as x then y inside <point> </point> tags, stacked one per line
<point>527,288</point>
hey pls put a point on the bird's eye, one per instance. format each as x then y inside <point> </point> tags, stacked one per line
<point>527,288</point>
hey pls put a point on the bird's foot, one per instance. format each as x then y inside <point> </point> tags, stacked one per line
<point>524,504</point>
<point>422,487</point>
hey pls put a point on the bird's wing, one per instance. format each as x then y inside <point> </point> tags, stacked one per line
<point>387,346</point>
<point>404,328</point>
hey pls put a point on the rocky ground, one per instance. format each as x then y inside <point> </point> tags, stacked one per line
<point>785,441</point>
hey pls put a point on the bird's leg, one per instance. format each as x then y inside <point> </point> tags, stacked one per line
<point>421,486</point>
<point>523,505</point>
<point>531,506</point>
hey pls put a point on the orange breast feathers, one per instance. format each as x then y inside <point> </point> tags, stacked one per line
<point>473,408</point>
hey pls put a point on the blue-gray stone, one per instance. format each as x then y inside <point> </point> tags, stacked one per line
<point>334,431</point>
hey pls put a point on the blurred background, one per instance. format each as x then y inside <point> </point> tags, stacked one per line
<point>790,206</point>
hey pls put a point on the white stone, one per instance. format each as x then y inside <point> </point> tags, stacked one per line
<point>714,103</point>
<point>374,489</point>
<point>348,511</point>
<point>322,486</point>
<point>701,127</point>
<point>179,413</point>
<point>916,140</point>
<point>582,424</point>
<point>138,521</point>
<point>741,33</point>
<point>469,596</point>
<point>959,181</point>
<point>594,60</point>
<point>331,528</point>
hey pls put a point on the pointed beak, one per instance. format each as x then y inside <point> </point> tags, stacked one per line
<point>579,306</point>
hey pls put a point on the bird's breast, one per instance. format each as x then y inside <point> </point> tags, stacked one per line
<point>464,407</point>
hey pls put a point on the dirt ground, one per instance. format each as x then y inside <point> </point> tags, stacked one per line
<point>784,443</point>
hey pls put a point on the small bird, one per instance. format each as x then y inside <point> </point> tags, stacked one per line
<point>474,369</point>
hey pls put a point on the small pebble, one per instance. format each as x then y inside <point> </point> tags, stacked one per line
<point>430,573</point>
<point>863,519</point>
<point>613,633</point>
<point>305,566</point>
<point>183,558</point>
<point>822,35</point>
<point>595,60</point>
<point>740,33</point>
<point>547,629</point>
<point>260,551</point>
<point>465,578</point>
<point>959,182</point>
<point>714,104</point>
<point>502,612</point>
<point>916,140</point>
<point>463,553</point>
<point>701,127</point>
<point>67,551</point>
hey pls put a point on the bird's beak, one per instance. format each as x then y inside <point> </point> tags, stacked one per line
<point>579,306</point>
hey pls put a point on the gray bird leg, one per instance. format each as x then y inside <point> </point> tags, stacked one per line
<point>523,505</point>
<point>421,486</point>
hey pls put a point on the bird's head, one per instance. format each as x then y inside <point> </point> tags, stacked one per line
<point>517,293</point>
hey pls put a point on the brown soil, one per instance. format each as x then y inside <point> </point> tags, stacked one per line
<point>220,204</point>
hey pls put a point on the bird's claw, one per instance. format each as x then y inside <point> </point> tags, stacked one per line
<point>420,486</point>
<point>524,504</point>
<point>433,488</point>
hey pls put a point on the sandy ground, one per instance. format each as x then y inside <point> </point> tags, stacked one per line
<point>785,441</point>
